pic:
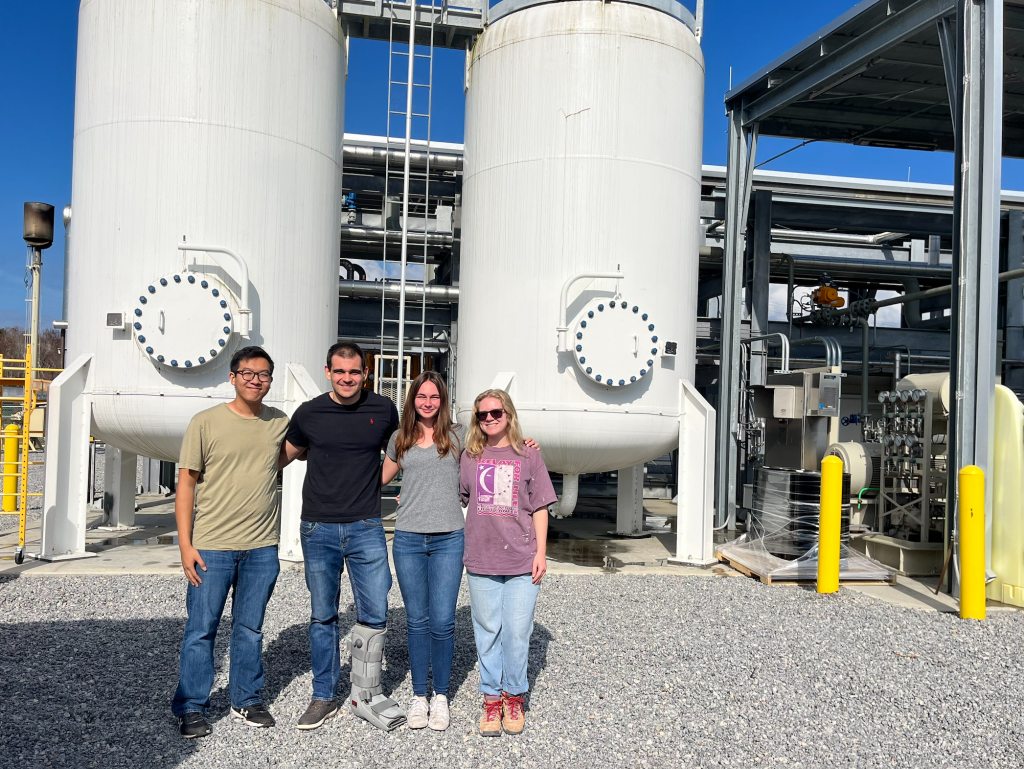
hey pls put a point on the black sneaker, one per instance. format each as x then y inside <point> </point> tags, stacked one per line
<point>192,725</point>
<point>318,712</point>
<point>254,715</point>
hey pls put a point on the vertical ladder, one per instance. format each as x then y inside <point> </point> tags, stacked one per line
<point>408,113</point>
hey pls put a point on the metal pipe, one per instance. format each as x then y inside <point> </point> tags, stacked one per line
<point>881,238</point>
<point>789,294</point>
<point>244,313</point>
<point>833,351</point>
<point>783,341</point>
<point>374,289</point>
<point>865,351</point>
<point>563,345</point>
<point>874,304</point>
<point>438,161</point>
<point>375,235</point>
<point>409,80</point>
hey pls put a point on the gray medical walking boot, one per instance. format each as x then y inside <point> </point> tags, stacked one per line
<point>367,699</point>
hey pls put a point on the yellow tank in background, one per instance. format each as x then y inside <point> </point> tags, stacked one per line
<point>1008,500</point>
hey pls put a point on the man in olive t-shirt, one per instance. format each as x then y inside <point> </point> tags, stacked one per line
<point>230,458</point>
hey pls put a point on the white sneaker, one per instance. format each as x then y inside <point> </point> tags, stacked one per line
<point>439,718</point>
<point>416,713</point>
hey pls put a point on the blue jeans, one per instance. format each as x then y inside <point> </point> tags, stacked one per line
<point>503,623</point>
<point>327,548</point>
<point>429,568</point>
<point>252,574</point>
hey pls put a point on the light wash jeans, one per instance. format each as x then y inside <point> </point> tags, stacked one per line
<point>502,624</point>
<point>328,548</point>
<point>252,574</point>
<point>429,569</point>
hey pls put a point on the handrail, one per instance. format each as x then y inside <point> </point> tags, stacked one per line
<point>245,314</point>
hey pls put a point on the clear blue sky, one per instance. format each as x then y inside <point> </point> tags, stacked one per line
<point>37,88</point>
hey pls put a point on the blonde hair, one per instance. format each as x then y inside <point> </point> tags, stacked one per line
<point>410,430</point>
<point>476,439</point>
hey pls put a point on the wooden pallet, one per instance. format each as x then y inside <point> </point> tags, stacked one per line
<point>769,580</point>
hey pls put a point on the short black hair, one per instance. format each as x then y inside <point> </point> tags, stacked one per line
<point>248,353</point>
<point>346,350</point>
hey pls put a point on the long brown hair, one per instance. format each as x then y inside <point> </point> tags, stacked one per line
<point>476,439</point>
<point>409,429</point>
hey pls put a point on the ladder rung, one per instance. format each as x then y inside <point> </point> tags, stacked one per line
<point>424,55</point>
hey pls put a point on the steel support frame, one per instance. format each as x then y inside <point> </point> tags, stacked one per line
<point>844,63</point>
<point>742,149</point>
<point>975,271</point>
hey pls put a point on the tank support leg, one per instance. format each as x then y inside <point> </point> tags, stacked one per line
<point>120,468</point>
<point>298,388</point>
<point>629,519</point>
<point>65,489</point>
<point>695,480</point>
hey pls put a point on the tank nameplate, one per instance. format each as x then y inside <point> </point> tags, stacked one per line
<point>185,321</point>
<point>615,342</point>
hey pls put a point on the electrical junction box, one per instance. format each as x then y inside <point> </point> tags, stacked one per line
<point>827,396</point>
<point>116,320</point>
<point>784,402</point>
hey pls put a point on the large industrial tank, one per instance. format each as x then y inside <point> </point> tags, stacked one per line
<point>217,123</point>
<point>583,155</point>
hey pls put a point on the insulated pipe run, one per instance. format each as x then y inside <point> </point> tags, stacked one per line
<point>439,161</point>
<point>373,288</point>
<point>570,493</point>
<point>245,314</point>
<point>563,305</point>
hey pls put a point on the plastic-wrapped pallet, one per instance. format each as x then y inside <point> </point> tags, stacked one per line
<point>781,543</point>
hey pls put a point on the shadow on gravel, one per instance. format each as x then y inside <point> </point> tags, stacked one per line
<point>90,693</point>
<point>464,660</point>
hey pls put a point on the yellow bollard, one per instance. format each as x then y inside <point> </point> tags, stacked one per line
<point>971,536</point>
<point>829,524</point>
<point>10,484</point>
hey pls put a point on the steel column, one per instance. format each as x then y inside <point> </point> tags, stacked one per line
<point>1014,327</point>
<point>758,290</point>
<point>737,192</point>
<point>976,263</point>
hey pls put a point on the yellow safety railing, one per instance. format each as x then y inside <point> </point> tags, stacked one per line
<point>16,440</point>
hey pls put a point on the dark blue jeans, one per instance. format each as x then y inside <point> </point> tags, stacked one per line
<point>429,568</point>
<point>327,549</point>
<point>252,574</point>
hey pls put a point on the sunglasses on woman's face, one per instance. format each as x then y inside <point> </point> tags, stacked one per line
<point>481,416</point>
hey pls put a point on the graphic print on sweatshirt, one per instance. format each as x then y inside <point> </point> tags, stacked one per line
<point>497,486</point>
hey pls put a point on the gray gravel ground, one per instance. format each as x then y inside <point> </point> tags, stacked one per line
<point>652,671</point>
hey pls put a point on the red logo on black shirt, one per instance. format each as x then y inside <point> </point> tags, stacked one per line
<point>371,420</point>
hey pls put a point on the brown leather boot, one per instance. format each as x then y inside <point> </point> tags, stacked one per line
<point>490,721</point>
<point>513,719</point>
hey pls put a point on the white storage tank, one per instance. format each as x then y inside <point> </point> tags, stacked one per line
<point>218,126</point>
<point>219,122</point>
<point>583,156</point>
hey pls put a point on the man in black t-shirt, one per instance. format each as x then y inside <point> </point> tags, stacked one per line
<point>343,433</point>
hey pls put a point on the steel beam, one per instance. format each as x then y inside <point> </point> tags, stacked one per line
<point>757,292</point>
<point>834,69</point>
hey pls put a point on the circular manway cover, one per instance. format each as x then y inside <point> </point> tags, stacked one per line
<point>185,321</point>
<point>615,342</point>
